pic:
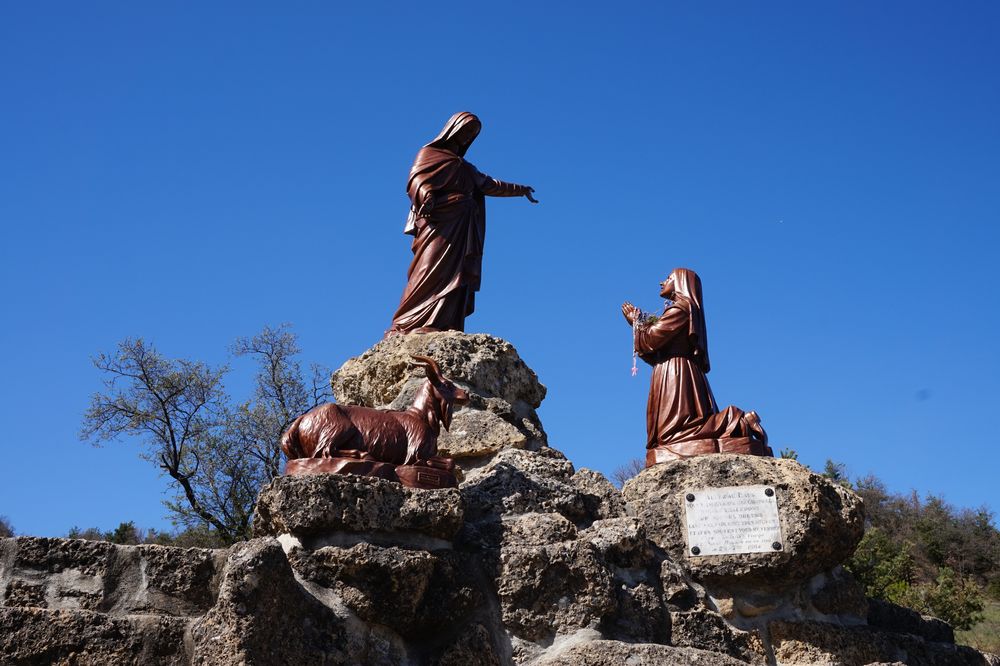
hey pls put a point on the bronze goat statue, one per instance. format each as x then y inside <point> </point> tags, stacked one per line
<point>399,445</point>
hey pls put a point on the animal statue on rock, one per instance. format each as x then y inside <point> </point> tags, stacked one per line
<point>682,417</point>
<point>398,445</point>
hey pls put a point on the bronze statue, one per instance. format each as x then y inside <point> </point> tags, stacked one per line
<point>448,220</point>
<point>395,445</point>
<point>682,417</point>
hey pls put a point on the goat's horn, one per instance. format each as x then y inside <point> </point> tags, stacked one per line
<point>429,364</point>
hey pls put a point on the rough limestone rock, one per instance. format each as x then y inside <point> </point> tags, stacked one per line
<point>823,643</point>
<point>616,653</point>
<point>41,637</point>
<point>413,592</point>
<point>329,504</point>
<point>550,589</point>
<point>263,616</point>
<point>821,522</point>
<point>504,392</point>
<point>74,574</point>
<point>530,561</point>
<point>890,617</point>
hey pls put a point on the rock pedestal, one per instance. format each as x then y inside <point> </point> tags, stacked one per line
<point>529,561</point>
<point>504,392</point>
<point>796,598</point>
<point>821,522</point>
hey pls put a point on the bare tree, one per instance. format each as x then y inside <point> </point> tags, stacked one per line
<point>627,471</point>
<point>217,455</point>
<point>6,529</point>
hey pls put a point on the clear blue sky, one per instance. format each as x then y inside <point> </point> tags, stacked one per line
<point>190,172</point>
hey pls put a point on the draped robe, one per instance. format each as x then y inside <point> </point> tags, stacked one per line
<point>446,270</point>
<point>681,413</point>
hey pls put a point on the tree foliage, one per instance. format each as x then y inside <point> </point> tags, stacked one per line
<point>128,534</point>
<point>6,529</point>
<point>217,453</point>
<point>924,553</point>
<point>955,599</point>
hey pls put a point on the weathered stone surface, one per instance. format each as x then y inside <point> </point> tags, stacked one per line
<point>413,592</point>
<point>821,522</point>
<point>476,432</point>
<point>538,529</point>
<point>707,630</point>
<point>489,364</point>
<point>100,576</point>
<point>890,617</point>
<point>516,482</point>
<point>616,653</point>
<point>322,504</point>
<point>822,643</point>
<point>621,542</point>
<point>838,593</point>
<point>528,562</point>
<point>263,616</point>
<point>35,636</point>
<point>551,589</point>
<point>503,392</point>
<point>473,648</point>
<point>600,496</point>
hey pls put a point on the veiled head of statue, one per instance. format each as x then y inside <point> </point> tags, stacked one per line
<point>687,284</point>
<point>458,133</point>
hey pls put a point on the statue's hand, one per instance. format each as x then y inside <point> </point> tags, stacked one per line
<point>529,197</point>
<point>630,312</point>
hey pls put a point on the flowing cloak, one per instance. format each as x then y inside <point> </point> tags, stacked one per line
<point>446,270</point>
<point>681,406</point>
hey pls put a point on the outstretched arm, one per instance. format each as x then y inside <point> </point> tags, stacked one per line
<point>492,187</point>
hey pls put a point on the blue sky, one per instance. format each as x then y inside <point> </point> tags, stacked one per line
<point>190,172</point>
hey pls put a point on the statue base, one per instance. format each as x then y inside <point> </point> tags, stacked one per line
<point>701,447</point>
<point>411,476</point>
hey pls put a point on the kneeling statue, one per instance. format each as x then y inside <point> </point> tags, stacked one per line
<point>398,445</point>
<point>682,417</point>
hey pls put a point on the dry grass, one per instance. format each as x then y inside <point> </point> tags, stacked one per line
<point>984,636</point>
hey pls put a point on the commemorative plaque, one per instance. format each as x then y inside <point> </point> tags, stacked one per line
<point>732,520</point>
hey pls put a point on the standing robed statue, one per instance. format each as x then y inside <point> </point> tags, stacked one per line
<point>682,417</point>
<point>448,221</point>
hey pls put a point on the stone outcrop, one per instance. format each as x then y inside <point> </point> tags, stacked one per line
<point>529,561</point>
<point>504,392</point>
<point>821,522</point>
<point>340,504</point>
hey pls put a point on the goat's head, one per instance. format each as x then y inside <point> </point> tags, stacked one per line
<point>445,394</point>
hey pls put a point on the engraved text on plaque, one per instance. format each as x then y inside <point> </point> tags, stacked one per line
<point>735,519</point>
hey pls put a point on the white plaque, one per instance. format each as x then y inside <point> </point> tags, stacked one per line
<point>735,519</point>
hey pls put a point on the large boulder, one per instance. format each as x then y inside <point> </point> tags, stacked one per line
<point>263,616</point>
<point>821,521</point>
<point>39,636</point>
<point>75,574</point>
<point>329,505</point>
<point>504,392</point>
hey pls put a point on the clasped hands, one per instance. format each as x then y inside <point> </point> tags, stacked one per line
<point>630,312</point>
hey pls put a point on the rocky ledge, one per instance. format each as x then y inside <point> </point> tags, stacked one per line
<point>529,561</point>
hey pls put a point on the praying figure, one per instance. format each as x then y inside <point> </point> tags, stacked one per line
<point>448,221</point>
<point>682,417</point>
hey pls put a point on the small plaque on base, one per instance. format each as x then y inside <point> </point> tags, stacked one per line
<point>732,520</point>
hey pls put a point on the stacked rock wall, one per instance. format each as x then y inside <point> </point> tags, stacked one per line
<point>529,561</point>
